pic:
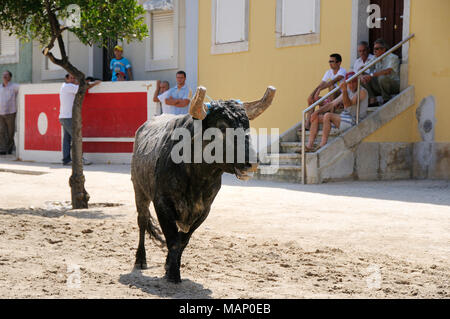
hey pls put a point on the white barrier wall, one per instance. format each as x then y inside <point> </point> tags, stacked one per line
<point>112,112</point>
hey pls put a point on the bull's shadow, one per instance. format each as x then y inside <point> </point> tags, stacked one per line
<point>159,286</point>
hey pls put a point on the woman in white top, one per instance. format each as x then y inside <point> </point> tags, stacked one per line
<point>347,118</point>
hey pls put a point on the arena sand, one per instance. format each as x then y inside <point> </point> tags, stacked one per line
<point>261,240</point>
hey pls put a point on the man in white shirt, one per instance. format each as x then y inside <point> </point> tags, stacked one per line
<point>332,79</point>
<point>364,57</point>
<point>160,96</point>
<point>66,96</point>
<point>8,110</point>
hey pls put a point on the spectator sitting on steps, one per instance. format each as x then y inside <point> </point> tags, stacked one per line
<point>331,79</point>
<point>385,80</point>
<point>364,58</point>
<point>346,119</point>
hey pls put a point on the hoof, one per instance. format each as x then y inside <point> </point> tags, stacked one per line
<point>172,279</point>
<point>140,266</point>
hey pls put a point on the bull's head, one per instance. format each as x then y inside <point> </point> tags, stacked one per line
<point>231,114</point>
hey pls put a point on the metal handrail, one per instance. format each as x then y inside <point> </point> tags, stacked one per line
<point>312,106</point>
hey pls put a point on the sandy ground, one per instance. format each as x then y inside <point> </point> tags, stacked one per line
<point>261,240</point>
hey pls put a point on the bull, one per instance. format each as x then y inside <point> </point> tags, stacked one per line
<point>182,193</point>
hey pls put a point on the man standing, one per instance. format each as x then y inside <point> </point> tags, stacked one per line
<point>364,57</point>
<point>179,96</point>
<point>120,64</point>
<point>66,96</point>
<point>8,110</point>
<point>332,79</point>
<point>161,93</point>
<point>385,80</point>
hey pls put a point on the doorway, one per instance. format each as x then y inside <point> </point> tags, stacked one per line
<point>391,23</point>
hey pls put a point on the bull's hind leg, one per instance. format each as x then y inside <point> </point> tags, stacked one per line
<point>142,204</point>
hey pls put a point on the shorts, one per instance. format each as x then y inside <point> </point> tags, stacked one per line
<point>346,123</point>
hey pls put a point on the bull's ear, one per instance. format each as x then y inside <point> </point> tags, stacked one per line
<point>256,108</point>
<point>197,109</point>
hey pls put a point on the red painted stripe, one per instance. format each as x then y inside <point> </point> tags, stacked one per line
<point>113,114</point>
<point>108,147</point>
<point>104,115</point>
<point>35,105</point>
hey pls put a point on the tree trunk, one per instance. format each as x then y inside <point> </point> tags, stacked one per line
<point>80,196</point>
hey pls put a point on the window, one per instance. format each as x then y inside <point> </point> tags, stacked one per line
<point>49,70</point>
<point>9,48</point>
<point>162,45</point>
<point>229,26</point>
<point>298,17</point>
<point>298,22</point>
<point>162,31</point>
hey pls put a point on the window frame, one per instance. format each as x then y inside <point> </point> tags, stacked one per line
<point>167,64</point>
<point>231,47</point>
<point>296,40</point>
<point>11,58</point>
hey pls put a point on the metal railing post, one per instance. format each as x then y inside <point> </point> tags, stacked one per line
<point>303,147</point>
<point>359,101</point>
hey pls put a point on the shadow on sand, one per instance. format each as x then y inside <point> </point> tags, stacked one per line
<point>41,212</point>
<point>160,287</point>
<point>434,192</point>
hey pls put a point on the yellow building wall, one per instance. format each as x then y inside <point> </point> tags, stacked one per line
<point>294,71</point>
<point>429,72</point>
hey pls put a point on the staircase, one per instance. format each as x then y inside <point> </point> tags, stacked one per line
<point>325,164</point>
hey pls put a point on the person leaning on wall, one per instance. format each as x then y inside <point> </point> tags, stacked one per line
<point>8,110</point>
<point>160,97</point>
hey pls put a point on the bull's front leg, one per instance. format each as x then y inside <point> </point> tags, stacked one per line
<point>172,265</point>
<point>170,230</point>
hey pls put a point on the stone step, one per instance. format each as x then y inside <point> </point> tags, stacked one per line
<point>332,134</point>
<point>282,158</point>
<point>293,147</point>
<point>280,173</point>
<point>290,147</point>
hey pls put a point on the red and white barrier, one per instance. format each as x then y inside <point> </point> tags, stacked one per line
<point>112,112</point>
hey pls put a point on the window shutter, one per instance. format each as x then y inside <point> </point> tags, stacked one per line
<point>298,17</point>
<point>230,21</point>
<point>7,44</point>
<point>163,35</point>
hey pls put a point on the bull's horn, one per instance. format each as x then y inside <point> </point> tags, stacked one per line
<point>255,109</point>
<point>197,109</point>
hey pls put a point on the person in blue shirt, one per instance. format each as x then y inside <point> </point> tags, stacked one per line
<point>180,95</point>
<point>120,64</point>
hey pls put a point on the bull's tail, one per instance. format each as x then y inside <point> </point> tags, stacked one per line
<point>155,232</point>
